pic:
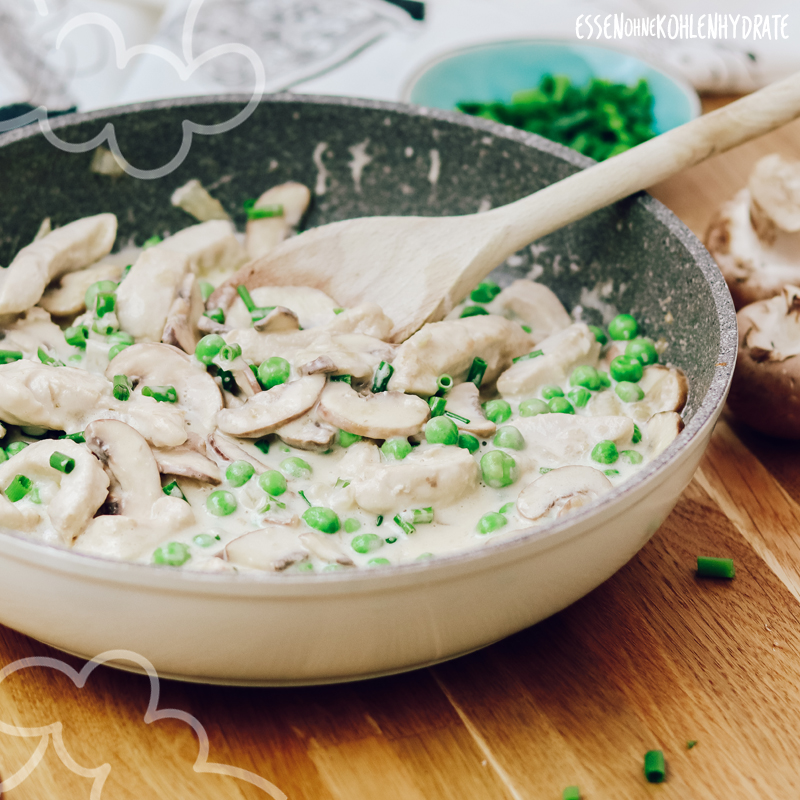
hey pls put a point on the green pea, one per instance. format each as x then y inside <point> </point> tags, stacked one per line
<point>585,376</point>
<point>121,337</point>
<point>560,405</point>
<point>116,350</point>
<point>77,335</point>
<point>397,448</point>
<point>100,287</point>
<point>533,407</point>
<point>629,392</point>
<point>509,437</point>
<point>295,467</point>
<point>605,452</point>
<point>468,442</point>
<point>272,482</point>
<point>321,519</point>
<point>637,434</point>
<point>599,334</point>
<point>366,543</point>
<point>631,456</point>
<point>626,368</point>
<point>204,540</point>
<point>484,292</point>
<point>579,396</point>
<point>473,311</point>
<point>507,507</point>
<point>491,522</point>
<point>497,411</point>
<point>239,472</point>
<point>378,562</point>
<point>498,469</point>
<point>173,554</point>
<point>351,525</point>
<point>551,390</point>
<point>441,430</point>
<point>610,472</point>
<point>346,438</point>
<point>208,348</point>
<point>273,372</point>
<point>221,503</point>
<point>623,326</point>
<point>605,381</point>
<point>643,350</point>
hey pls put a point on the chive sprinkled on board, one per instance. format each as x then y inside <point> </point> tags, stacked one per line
<point>708,567</point>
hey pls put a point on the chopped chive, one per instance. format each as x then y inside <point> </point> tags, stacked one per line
<point>7,356</point>
<point>473,311</point>
<point>206,289</point>
<point>163,394</point>
<point>379,521</point>
<point>691,743</point>
<point>341,484</point>
<point>45,358</point>
<point>380,383</point>
<point>422,516</point>
<point>406,527</point>
<point>225,376</point>
<point>348,379</point>
<point>534,354</point>
<point>18,488</point>
<point>123,386</point>
<point>217,314</point>
<point>654,766</point>
<point>262,445</point>
<point>477,371</point>
<point>104,303</point>
<point>303,495</point>
<point>545,470</point>
<point>125,272</point>
<point>152,242</point>
<point>445,383</point>
<point>437,405</point>
<point>708,567</point>
<point>391,540</point>
<point>456,416</point>
<point>77,336</point>
<point>505,509</point>
<point>246,298</point>
<point>62,463</point>
<point>265,212</point>
<point>571,793</point>
<point>173,490</point>
<point>338,311</point>
<point>75,437</point>
<point>527,328</point>
<point>229,352</point>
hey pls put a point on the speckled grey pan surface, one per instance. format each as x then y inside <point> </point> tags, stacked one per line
<point>634,257</point>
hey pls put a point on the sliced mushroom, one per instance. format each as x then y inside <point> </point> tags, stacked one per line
<point>139,513</point>
<point>80,493</point>
<point>194,199</point>
<point>321,364</point>
<point>145,297</point>
<point>229,450</point>
<point>434,475</point>
<point>561,353</point>
<point>279,320</point>
<point>211,248</point>
<point>665,388</point>
<point>534,305</point>
<point>323,548</point>
<point>65,297</point>
<point>245,378</point>
<point>263,235</point>
<point>352,353</point>
<point>312,307</point>
<point>268,411</point>
<point>188,461</point>
<point>561,490</point>
<point>764,391</point>
<point>662,429</point>
<point>554,440</point>
<point>207,325</point>
<point>450,347</point>
<point>376,416</point>
<point>161,424</point>
<point>307,433</point>
<point>160,365</point>
<point>775,190</point>
<point>273,549</point>
<point>463,399</point>
<point>605,404</point>
<point>73,247</point>
<point>180,328</point>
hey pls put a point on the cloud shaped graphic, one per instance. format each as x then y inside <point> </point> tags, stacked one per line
<point>185,68</point>
<point>53,732</point>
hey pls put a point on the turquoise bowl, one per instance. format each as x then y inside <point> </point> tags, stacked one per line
<point>494,71</point>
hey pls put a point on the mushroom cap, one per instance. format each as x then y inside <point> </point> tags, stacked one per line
<point>563,490</point>
<point>267,411</point>
<point>274,549</point>
<point>188,461</point>
<point>180,329</point>
<point>765,393</point>
<point>307,433</point>
<point>775,185</point>
<point>194,199</point>
<point>376,416</point>
<point>67,296</point>
<point>534,304</point>
<point>662,430</point>
<point>464,399</point>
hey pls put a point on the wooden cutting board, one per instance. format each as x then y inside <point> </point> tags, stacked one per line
<point>652,659</point>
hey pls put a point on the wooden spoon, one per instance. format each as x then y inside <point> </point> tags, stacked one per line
<point>418,268</point>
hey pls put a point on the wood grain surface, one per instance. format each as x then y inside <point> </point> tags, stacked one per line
<point>650,660</point>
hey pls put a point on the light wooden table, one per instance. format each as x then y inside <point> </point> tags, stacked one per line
<point>651,659</point>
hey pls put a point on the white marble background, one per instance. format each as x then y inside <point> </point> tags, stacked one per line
<point>361,48</point>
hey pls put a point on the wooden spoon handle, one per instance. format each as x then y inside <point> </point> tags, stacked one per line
<point>602,184</point>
